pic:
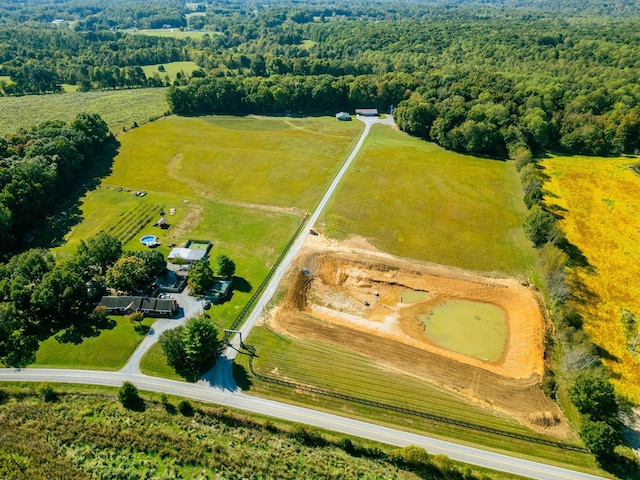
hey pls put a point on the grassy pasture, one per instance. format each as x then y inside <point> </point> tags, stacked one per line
<point>281,162</point>
<point>108,351</point>
<point>414,199</point>
<point>344,371</point>
<point>599,205</point>
<point>119,108</point>
<point>171,69</point>
<point>252,235</point>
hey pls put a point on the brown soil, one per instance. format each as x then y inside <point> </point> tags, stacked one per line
<point>350,296</point>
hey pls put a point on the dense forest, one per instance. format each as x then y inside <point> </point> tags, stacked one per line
<point>495,78</point>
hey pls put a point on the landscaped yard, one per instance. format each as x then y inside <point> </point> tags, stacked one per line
<point>414,199</point>
<point>110,350</point>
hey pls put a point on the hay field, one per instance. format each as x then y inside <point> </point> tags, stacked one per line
<point>599,201</point>
<point>119,108</point>
<point>411,198</point>
<point>276,162</point>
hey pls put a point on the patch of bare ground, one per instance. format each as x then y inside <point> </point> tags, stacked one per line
<point>350,296</point>
<point>188,223</point>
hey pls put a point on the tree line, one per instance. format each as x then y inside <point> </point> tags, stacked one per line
<point>572,360</point>
<point>40,167</point>
<point>472,78</point>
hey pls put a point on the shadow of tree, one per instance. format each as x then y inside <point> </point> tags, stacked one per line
<point>622,467</point>
<point>242,377</point>
<point>77,333</point>
<point>576,257</point>
<point>242,285</point>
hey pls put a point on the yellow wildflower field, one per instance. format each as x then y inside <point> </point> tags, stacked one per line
<point>599,200</point>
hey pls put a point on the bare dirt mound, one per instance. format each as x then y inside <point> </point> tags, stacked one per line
<point>351,297</point>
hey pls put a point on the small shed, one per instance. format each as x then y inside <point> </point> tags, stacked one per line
<point>343,116</point>
<point>367,112</point>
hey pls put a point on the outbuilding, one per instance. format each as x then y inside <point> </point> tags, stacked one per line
<point>367,112</point>
<point>343,116</point>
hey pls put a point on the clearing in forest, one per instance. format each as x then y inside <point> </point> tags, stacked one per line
<point>599,205</point>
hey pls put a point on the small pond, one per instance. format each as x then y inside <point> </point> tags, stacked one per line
<point>472,328</point>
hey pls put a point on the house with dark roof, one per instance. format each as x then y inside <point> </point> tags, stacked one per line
<point>150,306</point>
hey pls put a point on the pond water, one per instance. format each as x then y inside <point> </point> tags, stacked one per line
<point>472,328</point>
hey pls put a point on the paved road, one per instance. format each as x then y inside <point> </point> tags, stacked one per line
<point>237,399</point>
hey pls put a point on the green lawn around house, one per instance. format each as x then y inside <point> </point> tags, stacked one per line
<point>110,350</point>
<point>154,363</point>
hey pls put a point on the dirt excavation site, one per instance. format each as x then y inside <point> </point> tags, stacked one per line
<point>480,337</point>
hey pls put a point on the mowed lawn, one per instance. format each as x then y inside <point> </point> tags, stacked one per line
<point>414,199</point>
<point>599,202</point>
<point>119,108</point>
<point>280,162</point>
<point>107,351</point>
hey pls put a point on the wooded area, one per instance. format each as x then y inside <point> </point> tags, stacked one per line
<point>497,78</point>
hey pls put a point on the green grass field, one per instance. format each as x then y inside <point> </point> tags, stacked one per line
<point>171,69</point>
<point>281,162</point>
<point>154,363</point>
<point>252,235</point>
<point>119,108</point>
<point>108,351</point>
<point>414,199</point>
